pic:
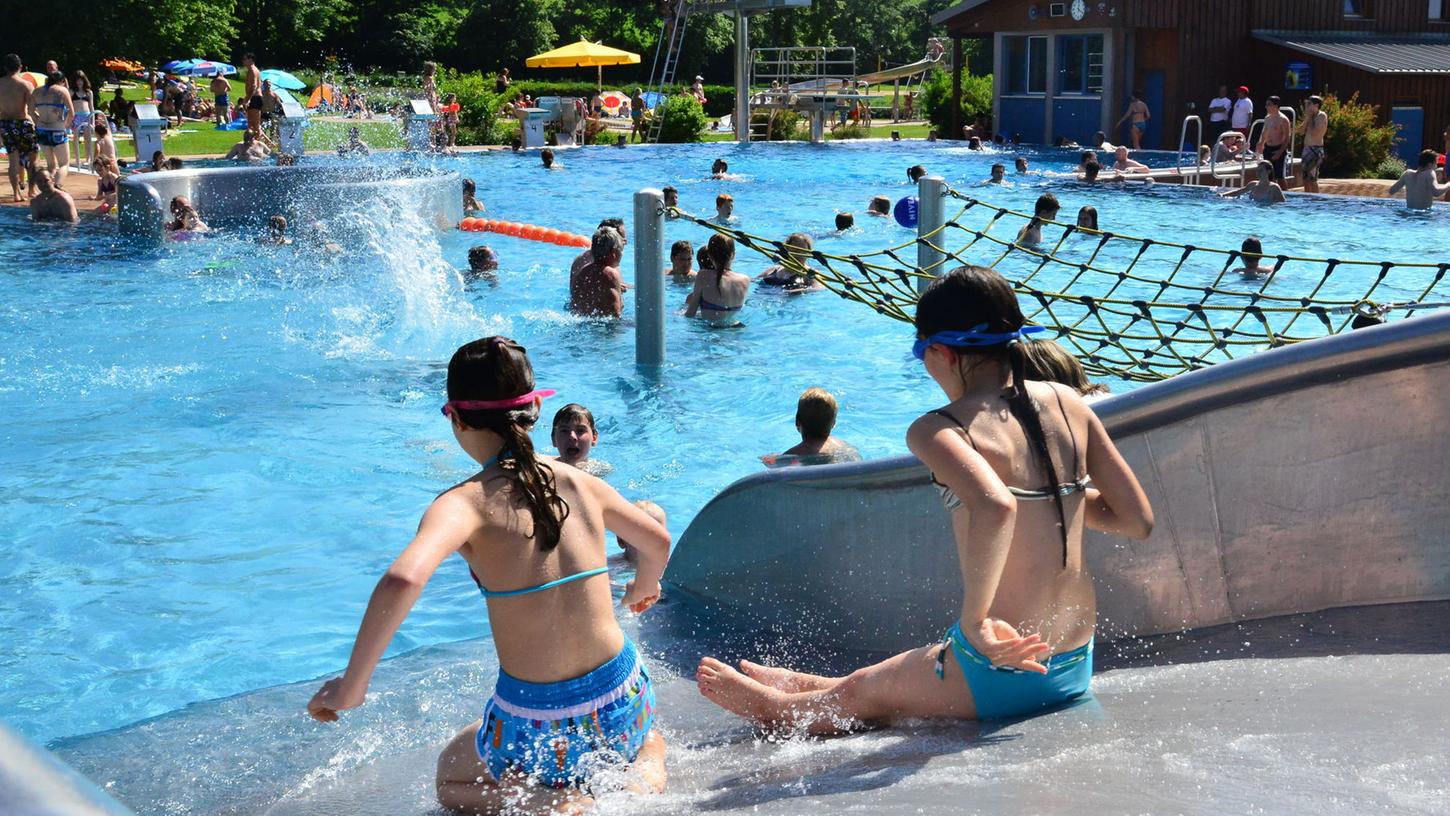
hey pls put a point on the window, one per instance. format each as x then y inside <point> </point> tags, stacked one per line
<point>1080,64</point>
<point>1025,64</point>
<point>1440,11</point>
<point>1356,8</point>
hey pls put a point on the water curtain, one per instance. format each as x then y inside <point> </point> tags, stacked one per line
<point>1133,308</point>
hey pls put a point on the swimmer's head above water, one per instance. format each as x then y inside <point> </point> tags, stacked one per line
<point>574,433</point>
<point>492,400</point>
<point>915,172</point>
<point>845,221</point>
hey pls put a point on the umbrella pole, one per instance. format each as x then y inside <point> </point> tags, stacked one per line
<point>600,69</point>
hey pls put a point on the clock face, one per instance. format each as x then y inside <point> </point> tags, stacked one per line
<point>1079,9</point>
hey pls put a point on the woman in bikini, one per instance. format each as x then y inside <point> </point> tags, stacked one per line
<point>573,696</point>
<point>719,291</point>
<point>1023,467</point>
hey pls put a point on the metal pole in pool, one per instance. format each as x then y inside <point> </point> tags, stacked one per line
<point>649,277</point>
<point>742,76</point>
<point>930,215</point>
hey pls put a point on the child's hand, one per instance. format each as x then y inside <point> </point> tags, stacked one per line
<point>638,598</point>
<point>1000,643</point>
<point>332,698</point>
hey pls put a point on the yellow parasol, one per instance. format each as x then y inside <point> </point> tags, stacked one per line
<point>33,78</point>
<point>583,54</point>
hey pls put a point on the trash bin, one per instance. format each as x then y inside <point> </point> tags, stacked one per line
<point>420,125</point>
<point>149,125</point>
<point>531,126</point>
<point>294,120</point>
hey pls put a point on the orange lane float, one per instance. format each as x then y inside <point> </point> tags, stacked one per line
<point>529,232</point>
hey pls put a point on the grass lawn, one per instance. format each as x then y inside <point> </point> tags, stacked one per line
<point>203,139</point>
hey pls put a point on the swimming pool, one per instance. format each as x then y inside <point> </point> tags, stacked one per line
<point>212,449</point>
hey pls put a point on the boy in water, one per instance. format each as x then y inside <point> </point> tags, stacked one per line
<point>844,221</point>
<point>815,418</point>
<point>1266,191</point>
<point>277,231</point>
<point>1252,251</point>
<point>681,256</point>
<point>547,156</point>
<point>879,206</point>
<point>483,263</point>
<point>1419,184</point>
<point>574,436</point>
<point>1021,164</point>
<point>1046,210</point>
<point>999,173</point>
<point>724,208</point>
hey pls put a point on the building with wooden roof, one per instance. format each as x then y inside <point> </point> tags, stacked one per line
<point>1067,68</point>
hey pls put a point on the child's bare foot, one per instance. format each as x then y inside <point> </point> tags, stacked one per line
<point>783,679</point>
<point>736,693</point>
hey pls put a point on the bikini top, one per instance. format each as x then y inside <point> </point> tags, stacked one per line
<point>952,501</point>
<point>705,304</point>
<point>511,593</point>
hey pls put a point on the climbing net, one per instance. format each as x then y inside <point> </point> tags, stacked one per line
<point>1132,308</point>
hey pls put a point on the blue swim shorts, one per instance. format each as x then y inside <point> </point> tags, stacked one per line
<point>1001,692</point>
<point>563,733</point>
<point>51,138</point>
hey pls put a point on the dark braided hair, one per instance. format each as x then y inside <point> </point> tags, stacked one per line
<point>496,368</point>
<point>969,296</point>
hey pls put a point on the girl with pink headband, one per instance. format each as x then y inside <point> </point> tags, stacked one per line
<point>573,696</point>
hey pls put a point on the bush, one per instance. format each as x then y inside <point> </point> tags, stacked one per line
<point>1356,143</point>
<point>684,121</point>
<point>1391,168</point>
<point>784,125</point>
<point>936,100</point>
<point>480,117</point>
<point>851,132</point>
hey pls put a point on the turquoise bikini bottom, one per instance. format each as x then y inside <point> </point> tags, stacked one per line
<point>561,734</point>
<point>1001,692</point>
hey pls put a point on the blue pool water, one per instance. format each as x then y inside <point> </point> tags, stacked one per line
<point>212,449</point>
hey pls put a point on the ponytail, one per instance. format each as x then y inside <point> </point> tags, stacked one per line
<point>722,253</point>
<point>1020,403</point>
<point>498,368</point>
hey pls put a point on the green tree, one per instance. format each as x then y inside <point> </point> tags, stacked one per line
<point>936,99</point>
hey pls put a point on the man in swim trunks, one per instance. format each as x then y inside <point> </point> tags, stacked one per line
<point>1420,185</point>
<point>53,111</point>
<point>597,290</point>
<point>1274,141</point>
<point>50,203</point>
<point>16,129</point>
<point>221,94</point>
<point>253,94</point>
<point>1137,115</point>
<point>1316,124</point>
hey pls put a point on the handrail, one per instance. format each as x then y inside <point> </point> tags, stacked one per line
<point>1243,160</point>
<point>1182,138</point>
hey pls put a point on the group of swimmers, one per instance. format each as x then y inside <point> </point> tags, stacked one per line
<point>1023,467</point>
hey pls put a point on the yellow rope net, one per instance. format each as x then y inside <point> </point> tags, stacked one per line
<point>1132,308</point>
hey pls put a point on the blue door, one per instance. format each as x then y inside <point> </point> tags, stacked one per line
<point>1412,130</point>
<point>1153,95</point>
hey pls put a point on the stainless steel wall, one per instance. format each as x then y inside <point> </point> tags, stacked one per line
<point>1304,478</point>
<point>246,196</point>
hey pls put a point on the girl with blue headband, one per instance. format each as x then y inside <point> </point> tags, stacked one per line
<point>573,696</point>
<point>1022,467</point>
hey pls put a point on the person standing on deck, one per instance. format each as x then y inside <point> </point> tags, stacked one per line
<point>1241,116</point>
<point>221,97</point>
<point>1274,141</point>
<point>1137,116</point>
<point>16,129</point>
<point>1218,110</point>
<point>252,78</point>
<point>1316,124</point>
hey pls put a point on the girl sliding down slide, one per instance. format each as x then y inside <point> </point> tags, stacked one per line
<point>1013,460</point>
<point>573,696</point>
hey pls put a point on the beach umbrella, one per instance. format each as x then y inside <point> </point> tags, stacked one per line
<point>178,64</point>
<point>207,68</point>
<point>34,78</point>
<point>282,79</point>
<point>583,54</point>
<point>612,99</point>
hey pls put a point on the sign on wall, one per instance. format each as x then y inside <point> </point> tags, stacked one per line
<point>1298,76</point>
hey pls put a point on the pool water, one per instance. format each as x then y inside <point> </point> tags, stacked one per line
<point>212,449</point>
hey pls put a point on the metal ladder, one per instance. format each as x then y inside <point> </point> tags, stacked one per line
<point>667,60</point>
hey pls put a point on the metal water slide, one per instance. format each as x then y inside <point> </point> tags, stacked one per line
<point>1305,478</point>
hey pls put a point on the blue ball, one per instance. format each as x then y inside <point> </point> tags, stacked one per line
<point>906,212</point>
